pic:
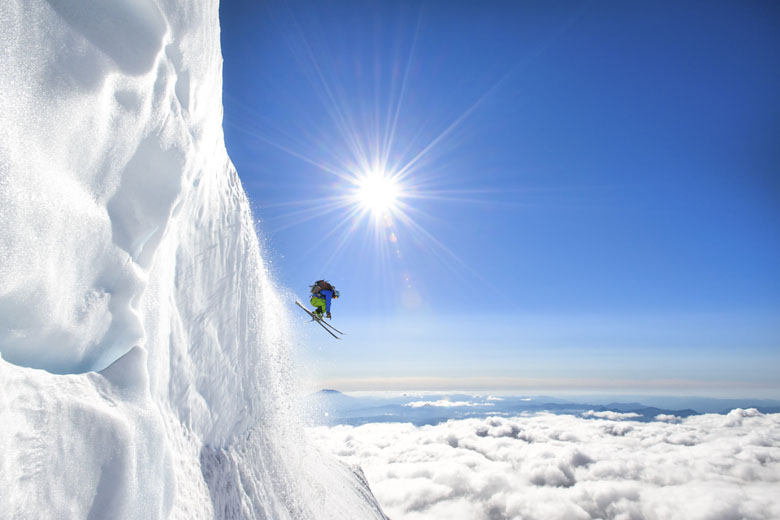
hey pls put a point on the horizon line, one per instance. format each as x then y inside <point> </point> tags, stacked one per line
<point>504,385</point>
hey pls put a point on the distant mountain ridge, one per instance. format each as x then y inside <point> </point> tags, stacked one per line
<point>331,407</point>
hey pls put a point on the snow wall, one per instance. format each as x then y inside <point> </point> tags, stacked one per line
<point>144,369</point>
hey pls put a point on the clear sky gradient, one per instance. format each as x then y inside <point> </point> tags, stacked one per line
<point>589,192</point>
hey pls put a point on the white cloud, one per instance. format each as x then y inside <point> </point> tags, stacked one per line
<point>668,418</point>
<point>613,416</point>
<point>445,404</point>
<point>566,467</point>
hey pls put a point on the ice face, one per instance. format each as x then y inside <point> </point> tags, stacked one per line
<point>145,367</point>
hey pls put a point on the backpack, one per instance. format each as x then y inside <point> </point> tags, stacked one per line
<point>320,285</point>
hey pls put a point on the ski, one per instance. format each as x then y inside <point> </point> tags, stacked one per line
<point>321,320</point>
<point>318,320</point>
<point>331,326</point>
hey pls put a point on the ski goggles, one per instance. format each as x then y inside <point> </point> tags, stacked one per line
<point>335,294</point>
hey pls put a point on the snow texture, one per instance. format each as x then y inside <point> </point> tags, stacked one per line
<point>564,467</point>
<point>145,370</point>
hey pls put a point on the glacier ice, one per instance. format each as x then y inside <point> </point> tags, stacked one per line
<point>145,369</point>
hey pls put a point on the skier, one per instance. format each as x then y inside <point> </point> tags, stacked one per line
<point>321,294</point>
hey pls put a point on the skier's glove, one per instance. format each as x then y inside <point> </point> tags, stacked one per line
<point>328,315</point>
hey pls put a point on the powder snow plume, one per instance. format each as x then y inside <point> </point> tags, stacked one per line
<point>145,369</point>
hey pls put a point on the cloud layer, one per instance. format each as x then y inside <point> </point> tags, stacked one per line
<point>551,467</point>
<point>443,403</point>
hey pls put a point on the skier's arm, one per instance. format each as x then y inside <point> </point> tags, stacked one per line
<point>328,295</point>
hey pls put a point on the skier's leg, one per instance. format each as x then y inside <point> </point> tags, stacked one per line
<point>319,303</point>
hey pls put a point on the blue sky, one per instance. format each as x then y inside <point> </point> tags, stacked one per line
<point>588,192</point>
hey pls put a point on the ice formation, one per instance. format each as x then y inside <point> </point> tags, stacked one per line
<point>144,369</point>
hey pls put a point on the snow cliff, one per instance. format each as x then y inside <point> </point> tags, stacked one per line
<point>144,369</point>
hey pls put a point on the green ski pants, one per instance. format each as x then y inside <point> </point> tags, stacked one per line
<point>318,302</point>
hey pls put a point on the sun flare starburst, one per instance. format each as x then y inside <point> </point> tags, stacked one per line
<point>377,192</point>
<point>382,164</point>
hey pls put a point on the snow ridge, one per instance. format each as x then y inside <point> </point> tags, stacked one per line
<point>145,369</point>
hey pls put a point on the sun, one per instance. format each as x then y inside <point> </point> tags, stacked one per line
<point>377,192</point>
